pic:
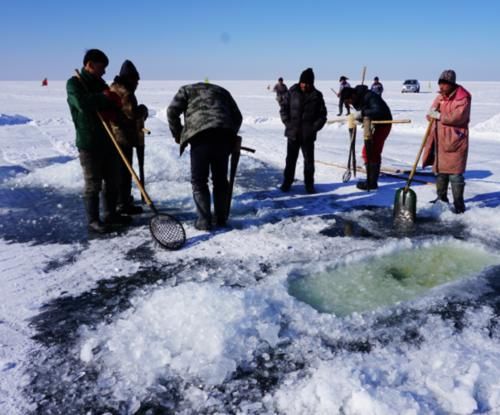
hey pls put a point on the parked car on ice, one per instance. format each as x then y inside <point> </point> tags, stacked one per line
<point>411,85</point>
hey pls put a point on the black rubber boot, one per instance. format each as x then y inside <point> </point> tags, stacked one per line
<point>285,187</point>
<point>371,183</point>
<point>310,188</point>
<point>94,223</point>
<point>458,196</point>
<point>129,209</point>
<point>442,181</point>
<point>111,217</point>
<point>202,202</point>
<point>117,219</point>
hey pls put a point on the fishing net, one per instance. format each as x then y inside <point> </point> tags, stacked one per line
<point>167,231</point>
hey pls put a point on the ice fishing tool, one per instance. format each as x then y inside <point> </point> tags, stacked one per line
<point>374,122</point>
<point>405,199</point>
<point>383,171</point>
<point>165,228</point>
<point>368,138</point>
<point>235,158</point>
<point>351,161</point>
<point>363,74</point>
<point>139,151</point>
<point>250,150</point>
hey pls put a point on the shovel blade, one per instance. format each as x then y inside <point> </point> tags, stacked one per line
<point>346,176</point>
<point>405,206</point>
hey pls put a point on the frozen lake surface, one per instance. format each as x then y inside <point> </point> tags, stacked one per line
<point>284,312</point>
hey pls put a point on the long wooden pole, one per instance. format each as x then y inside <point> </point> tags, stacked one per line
<point>346,119</point>
<point>360,169</point>
<point>363,75</point>
<point>414,168</point>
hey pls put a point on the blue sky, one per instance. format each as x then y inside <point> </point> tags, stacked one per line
<point>247,39</point>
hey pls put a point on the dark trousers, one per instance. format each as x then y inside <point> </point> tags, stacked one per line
<point>125,182</point>
<point>101,166</point>
<point>374,154</point>
<point>210,152</point>
<point>292,154</point>
<point>341,105</point>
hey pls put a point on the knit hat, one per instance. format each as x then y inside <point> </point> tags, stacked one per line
<point>307,77</point>
<point>129,71</point>
<point>448,76</point>
<point>343,78</point>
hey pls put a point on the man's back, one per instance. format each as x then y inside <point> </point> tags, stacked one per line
<point>371,104</point>
<point>204,106</point>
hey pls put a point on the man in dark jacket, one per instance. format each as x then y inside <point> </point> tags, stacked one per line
<point>343,84</point>
<point>371,105</point>
<point>303,112</point>
<point>99,159</point>
<point>280,89</point>
<point>377,86</point>
<point>128,131</point>
<point>211,121</point>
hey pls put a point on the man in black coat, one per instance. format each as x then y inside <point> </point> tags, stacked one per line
<point>303,112</point>
<point>371,105</point>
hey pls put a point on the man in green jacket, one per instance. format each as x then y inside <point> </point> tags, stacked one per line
<point>99,159</point>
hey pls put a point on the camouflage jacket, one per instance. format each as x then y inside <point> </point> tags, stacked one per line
<point>204,106</point>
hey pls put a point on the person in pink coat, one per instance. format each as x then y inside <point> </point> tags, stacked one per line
<point>448,143</point>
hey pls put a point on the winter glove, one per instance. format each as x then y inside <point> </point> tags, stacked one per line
<point>142,111</point>
<point>177,137</point>
<point>434,113</point>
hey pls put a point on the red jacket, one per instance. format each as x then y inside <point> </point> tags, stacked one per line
<point>448,142</point>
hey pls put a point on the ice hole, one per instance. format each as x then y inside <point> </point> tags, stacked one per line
<point>389,279</point>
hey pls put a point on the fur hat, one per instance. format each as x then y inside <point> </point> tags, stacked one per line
<point>307,77</point>
<point>129,71</point>
<point>448,76</point>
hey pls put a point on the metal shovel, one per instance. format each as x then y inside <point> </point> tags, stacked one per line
<point>351,162</point>
<point>405,199</point>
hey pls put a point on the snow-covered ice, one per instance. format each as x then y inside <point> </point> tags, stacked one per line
<point>119,325</point>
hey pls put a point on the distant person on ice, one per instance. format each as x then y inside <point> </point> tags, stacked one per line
<point>371,105</point>
<point>303,112</point>
<point>281,90</point>
<point>448,143</point>
<point>98,156</point>
<point>377,86</point>
<point>128,130</point>
<point>343,84</point>
<point>211,121</point>
<point>45,82</point>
